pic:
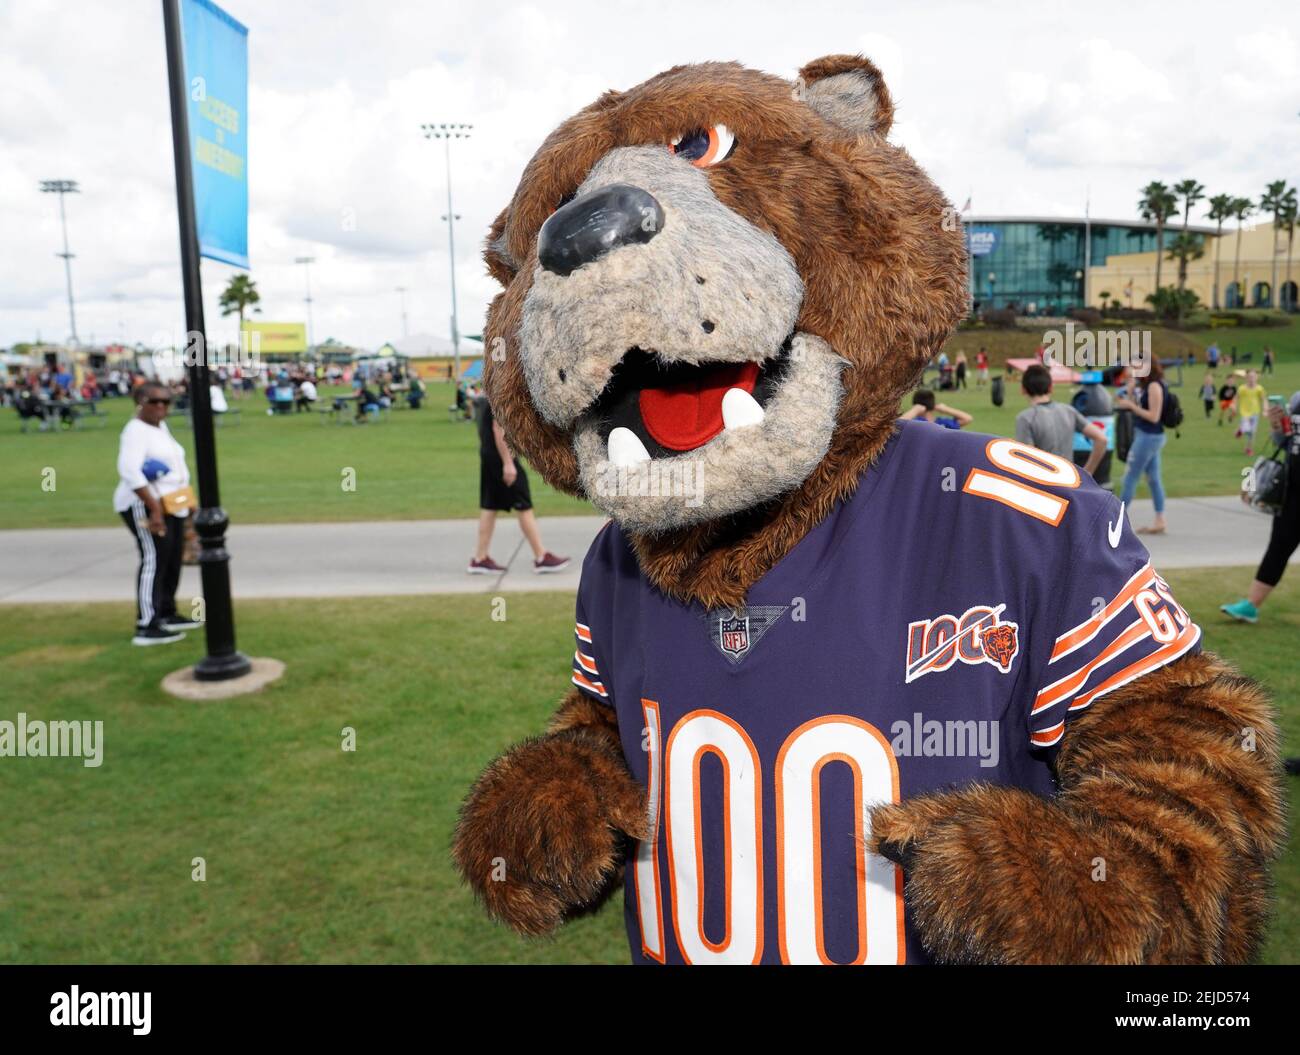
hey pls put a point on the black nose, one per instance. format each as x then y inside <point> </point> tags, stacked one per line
<point>596,223</point>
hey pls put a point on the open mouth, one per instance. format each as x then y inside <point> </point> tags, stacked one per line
<point>652,409</point>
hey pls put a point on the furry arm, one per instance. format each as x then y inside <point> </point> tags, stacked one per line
<point>541,833</point>
<point>1155,850</point>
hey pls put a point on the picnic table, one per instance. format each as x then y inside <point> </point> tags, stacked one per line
<point>77,412</point>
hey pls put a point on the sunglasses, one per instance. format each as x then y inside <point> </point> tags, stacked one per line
<point>159,402</point>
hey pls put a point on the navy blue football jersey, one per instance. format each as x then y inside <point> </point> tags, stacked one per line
<point>940,627</point>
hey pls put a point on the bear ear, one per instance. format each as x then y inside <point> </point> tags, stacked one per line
<point>849,92</point>
<point>497,254</point>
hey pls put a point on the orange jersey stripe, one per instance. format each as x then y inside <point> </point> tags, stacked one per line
<point>583,632</point>
<point>1047,737</point>
<point>586,662</point>
<point>586,683</point>
<point>1072,683</point>
<point>1089,628</point>
<point>1165,654</point>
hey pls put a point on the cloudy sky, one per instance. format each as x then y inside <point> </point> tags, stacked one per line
<point>1026,108</point>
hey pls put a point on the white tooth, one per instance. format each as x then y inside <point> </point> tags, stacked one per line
<point>626,448</point>
<point>739,409</point>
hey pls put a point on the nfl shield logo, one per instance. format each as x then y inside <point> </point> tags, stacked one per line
<point>733,635</point>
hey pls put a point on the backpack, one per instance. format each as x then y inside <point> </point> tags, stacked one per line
<point>1171,413</point>
<point>1123,434</point>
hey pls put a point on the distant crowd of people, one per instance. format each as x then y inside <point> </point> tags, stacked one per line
<point>52,394</point>
<point>1153,412</point>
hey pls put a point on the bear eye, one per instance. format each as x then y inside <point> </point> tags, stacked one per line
<point>704,146</point>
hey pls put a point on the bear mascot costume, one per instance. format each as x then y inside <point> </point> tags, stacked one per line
<point>844,688</point>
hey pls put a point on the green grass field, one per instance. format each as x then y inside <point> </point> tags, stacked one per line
<point>314,854</point>
<point>421,464</point>
<point>285,469</point>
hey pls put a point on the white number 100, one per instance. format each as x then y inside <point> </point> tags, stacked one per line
<point>799,764</point>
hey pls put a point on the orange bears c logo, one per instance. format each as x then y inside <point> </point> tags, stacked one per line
<point>1000,644</point>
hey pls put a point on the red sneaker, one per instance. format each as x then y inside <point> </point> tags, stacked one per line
<point>550,563</point>
<point>486,566</point>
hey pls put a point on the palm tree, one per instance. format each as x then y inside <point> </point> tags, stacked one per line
<point>1290,211</point>
<point>1220,210</point>
<point>1241,208</point>
<point>1183,248</point>
<point>1059,273</point>
<point>1274,201</point>
<point>1156,205</point>
<point>239,295</point>
<point>1191,192</point>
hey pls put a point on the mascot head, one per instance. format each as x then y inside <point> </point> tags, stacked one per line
<point>718,285</point>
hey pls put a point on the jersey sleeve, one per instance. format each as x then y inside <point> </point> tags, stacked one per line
<point>592,629</point>
<point>1115,620</point>
<point>586,670</point>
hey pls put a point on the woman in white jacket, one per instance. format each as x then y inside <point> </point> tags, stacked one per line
<point>150,465</point>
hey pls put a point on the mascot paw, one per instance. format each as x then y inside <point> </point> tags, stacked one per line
<point>898,828</point>
<point>542,833</point>
<point>988,869</point>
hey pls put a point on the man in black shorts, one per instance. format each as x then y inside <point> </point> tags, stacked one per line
<point>503,486</point>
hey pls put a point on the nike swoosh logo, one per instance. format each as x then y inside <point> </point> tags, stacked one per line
<point>1114,530</point>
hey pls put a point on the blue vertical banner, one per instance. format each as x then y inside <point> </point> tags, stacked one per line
<point>216,72</point>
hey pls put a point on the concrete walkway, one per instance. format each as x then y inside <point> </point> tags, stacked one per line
<point>429,556</point>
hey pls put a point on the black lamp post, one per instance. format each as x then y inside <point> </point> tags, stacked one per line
<point>223,659</point>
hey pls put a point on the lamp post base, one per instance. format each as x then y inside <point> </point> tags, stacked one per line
<point>222,668</point>
<point>187,684</point>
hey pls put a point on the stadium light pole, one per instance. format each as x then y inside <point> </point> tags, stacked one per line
<point>62,187</point>
<point>401,292</point>
<point>306,262</point>
<point>223,660</point>
<point>448,132</point>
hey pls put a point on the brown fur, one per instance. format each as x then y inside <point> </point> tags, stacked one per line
<point>541,833</point>
<point>1155,782</point>
<point>865,228</point>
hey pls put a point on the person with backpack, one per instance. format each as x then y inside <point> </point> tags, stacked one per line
<point>1153,411</point>
<point>1285,536</point>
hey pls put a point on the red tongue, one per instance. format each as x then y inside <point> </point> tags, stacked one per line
<point>685,416</point>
